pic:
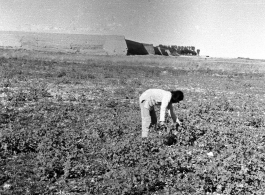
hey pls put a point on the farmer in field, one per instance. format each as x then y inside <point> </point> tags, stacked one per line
<point>152,97</point>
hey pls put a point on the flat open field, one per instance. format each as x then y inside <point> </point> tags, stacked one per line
<point>72,125</point>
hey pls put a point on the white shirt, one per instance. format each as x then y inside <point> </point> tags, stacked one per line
<point>161,97</point>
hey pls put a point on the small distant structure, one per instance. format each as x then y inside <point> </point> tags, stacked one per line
<point>168,52</point>
<point>136,48</point>
<point>163,51</point>
<point>173,50</point>
<point>149,48</point>
<point>157,51</point>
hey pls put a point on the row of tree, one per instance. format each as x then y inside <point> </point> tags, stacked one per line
<point>182,50</point>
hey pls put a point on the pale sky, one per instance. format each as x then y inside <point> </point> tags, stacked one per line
<point>219,28</point>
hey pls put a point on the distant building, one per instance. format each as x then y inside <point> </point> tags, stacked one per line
<point>149,48</point>
<point>157,51</point>
<point>136,48</point>
<point>57,42</point>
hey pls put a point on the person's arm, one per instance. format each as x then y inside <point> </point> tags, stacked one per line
<point>171,113</point>
<point>173,116</point>
<point>164,106</point>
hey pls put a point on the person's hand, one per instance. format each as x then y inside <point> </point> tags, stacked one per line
<point>161,123</point>
<point>178,122</point>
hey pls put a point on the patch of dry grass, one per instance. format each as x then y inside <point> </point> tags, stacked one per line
<point>181,62</point>
<point>74,128</point>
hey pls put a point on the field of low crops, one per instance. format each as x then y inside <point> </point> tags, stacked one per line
<point>75,128</point>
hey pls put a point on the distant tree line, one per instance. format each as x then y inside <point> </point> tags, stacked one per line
<point>182,50</point>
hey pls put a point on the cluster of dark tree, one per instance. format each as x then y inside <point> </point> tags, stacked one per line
<point>136,48</point>
<point>182,50</point>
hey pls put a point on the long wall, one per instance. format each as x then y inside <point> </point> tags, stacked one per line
<point>73,43</point>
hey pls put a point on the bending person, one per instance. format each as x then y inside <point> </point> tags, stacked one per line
<point>152,97</point>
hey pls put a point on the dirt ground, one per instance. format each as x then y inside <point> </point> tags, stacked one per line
<point>90,104</point>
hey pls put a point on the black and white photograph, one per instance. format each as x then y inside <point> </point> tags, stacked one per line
<point>132,97</point>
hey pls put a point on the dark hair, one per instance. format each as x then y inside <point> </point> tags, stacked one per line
<point>176,96</point>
